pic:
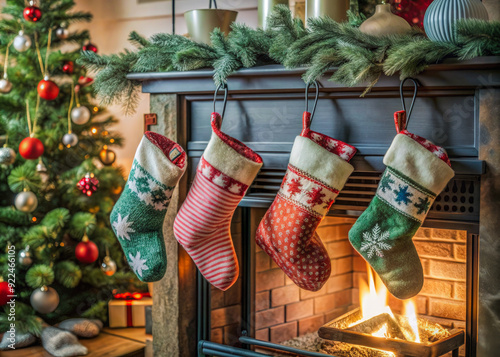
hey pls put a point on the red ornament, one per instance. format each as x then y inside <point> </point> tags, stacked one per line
<point>86,251</point>
<point>68,67</point>
<point>88,184</point>
<point>31,148</point>
<point>47,89</point>
<point>5,291</point>
<point>412,11</point>
<point>89,47</point>
<point>32,13</point>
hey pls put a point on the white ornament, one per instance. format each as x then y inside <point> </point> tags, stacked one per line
<point>7,156</point>
<point>137,264</point>
<point>374,242</point>
<point>80,115</point>
<point>122,227</point>
<point>26,201</point>
<point>5,85</point>
<point>62,33</point>
<point>22,42</point>
<point>70,139</point>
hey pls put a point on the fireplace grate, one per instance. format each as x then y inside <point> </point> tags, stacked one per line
<point>459,201</point>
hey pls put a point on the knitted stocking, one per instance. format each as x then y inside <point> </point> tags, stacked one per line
<point>87,328</point>
<point>61,343</point>
<point>224,173</point>
<point>16,341</point>
<point>417,171</point>
<point>317,171</point>
<point>137,217</point>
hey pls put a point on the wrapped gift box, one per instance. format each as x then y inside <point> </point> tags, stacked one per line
<point>128,313</point>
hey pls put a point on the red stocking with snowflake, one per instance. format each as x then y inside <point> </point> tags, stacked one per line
<point>317,171</point>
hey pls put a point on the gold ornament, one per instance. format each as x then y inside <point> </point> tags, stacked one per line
<point>107,156</point>
<point>384,22</point>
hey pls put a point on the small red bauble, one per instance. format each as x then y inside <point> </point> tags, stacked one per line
<point>89,47</point>
<point>86,251</point>
<point>32,13</point>
<point>68,67</point>
<point>47,89</point>
<point>88,184</point>
<point>31,148</point>
<point>5,291</point>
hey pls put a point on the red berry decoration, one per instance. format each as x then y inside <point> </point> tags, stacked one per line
<point>32,13</point>
<point>68,67</point>
<point>88,184</point>
<point>86,251</point>
<point>31,148</point>
<point>89,47</point>
<point>47,89</point>
<point>5,291</point>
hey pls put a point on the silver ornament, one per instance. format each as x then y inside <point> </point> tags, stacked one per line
<point>22,42</point>
<point>70,139</point>
<point>5,85</point>
<point>44,300</point>
<point>24,257</point>
<point>108,266</point>
<point>62,33</point>
<point>26,201</point>
<point>40,167</point>
<point>7,156</point>
<point>80,115</point>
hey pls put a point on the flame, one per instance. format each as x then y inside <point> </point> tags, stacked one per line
<point>411,315</point>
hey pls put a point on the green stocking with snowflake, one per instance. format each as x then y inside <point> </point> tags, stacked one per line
<point>137,217</point>
<point>417,171</point>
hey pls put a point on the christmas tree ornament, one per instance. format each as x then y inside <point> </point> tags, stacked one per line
<point>47,89</point>
<point>137,217</point>
<point>5,85</point>
<point>108,266</point>
<point>107,156</point>
<point>7,156</point>
<point>80,115</point>
<point>24,257</point>
<point>84,81</point>
<point>384,22</point>
<point>32,13</point>
<point>31,148</point>
<point>69,140</point>
<point>318,169</point>
<point>44,300</point>
<point>40,167</point>
<point>68,67</point>
<point>441,16</point>
<point>88,184</point>
<point>5,291</point>
<point>89,47</point>
<point>224,173</point>
<point>26,201</point>
<point>21,42</point>
<point>62,33</point>
<point>417,171</point>
<point>86,251</point>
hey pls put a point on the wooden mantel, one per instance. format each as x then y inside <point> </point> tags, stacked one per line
<point>458,107</point>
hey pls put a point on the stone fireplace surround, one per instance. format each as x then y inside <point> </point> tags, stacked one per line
<point>458,107</point>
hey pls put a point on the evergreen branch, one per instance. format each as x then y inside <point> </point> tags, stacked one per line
<point>138,40</point>
<point>39,275</point>
<point>68,274</point>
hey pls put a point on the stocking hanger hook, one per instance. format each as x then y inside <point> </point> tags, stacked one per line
<point>225,87</point>
<point>315,83</point>
<point>401,94</point>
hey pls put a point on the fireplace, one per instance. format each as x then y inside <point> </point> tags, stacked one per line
<point>457,108</point>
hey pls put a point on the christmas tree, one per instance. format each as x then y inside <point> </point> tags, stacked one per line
<point>57,185</point>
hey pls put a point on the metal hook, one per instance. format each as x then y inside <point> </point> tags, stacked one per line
<point>315,99</point>
<point>415,92</point>
<point>225,87</point>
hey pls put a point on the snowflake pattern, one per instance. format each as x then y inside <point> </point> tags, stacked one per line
<point>374,242</point>
<point>386,182</point>
<point>423,205</point>
<point>148,190</point>
<point>137,264</point>
<point>402,195</point>
<point>122,227</point>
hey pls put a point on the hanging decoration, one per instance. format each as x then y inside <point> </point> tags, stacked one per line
<point>5,291</point>
<point>80,115</point>
<point>31,148</point>
<point>68,67</point>
<point>40,167</point>
<point>26,201</point>
<point>384,22</point>
<point>62,32</point>
<point>88,184</point>
<point>44,300</point>
<point>107,156</point>
<point>5,84</point>
<point>70,139</point>
<point>86,251</point>
<point>7,155</point>
<point>47,89</point>
<point>21,42</point>
<point>89,47</point>
<point>32,13</point>
<point>108,265</point>
<point>24,257</point>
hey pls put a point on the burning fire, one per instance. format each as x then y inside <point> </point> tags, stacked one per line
<point>373,300</point>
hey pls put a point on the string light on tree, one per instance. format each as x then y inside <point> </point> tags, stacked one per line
<point>44,300</point>
<point>86,251</point>
<point>88,184</point>
<point>21,42</point>
<point>32,13</point>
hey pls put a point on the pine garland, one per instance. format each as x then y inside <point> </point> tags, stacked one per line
<point>360,58</point>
